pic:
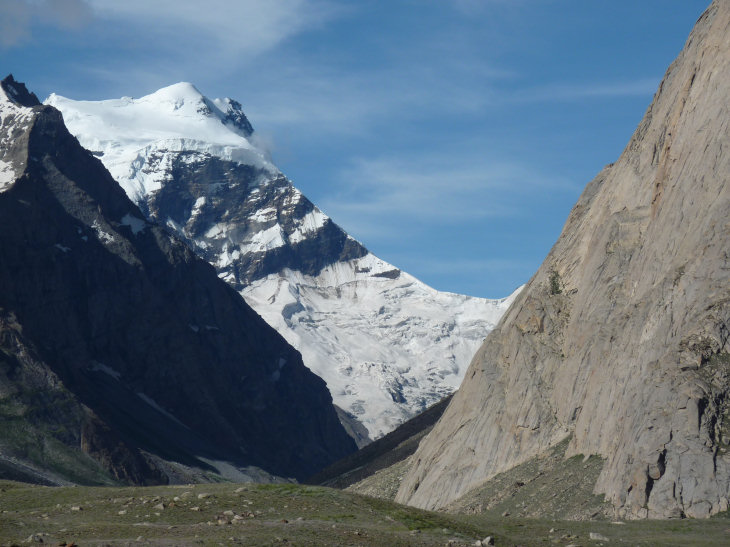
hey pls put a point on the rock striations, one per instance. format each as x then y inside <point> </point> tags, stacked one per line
<point>387,345</point>
<point>620,340</point>
<point>117,340</point>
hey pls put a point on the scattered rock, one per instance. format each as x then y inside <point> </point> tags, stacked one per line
<point>76,508</point>
<point>159,506</point>
<point>203,496</point>
<point>196,508</point>
<point>595,536</point>
<point>489,540</point>
<point>505,514</point>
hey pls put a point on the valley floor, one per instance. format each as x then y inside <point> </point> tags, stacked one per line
<point>286,514</point>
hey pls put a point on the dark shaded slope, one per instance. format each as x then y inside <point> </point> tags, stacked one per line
<point>394,447</point>
<point>167,357</point>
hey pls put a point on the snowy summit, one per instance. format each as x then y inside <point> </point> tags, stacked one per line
<point>126,132</point>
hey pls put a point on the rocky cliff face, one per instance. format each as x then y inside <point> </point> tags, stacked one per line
<point>387,345</point>
<point>621,337</point>
<point>152,353</point>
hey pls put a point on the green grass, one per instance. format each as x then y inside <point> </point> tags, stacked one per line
<point>294,515</point>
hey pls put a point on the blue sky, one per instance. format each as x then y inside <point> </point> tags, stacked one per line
<point>451,137</point>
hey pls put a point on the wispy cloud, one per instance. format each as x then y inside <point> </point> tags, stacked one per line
<point>586,90</point>
<point>17,17</point>
<point>443,189</point>
<point>360,100</point>
<point>221,31</point>
<point>222,27</point>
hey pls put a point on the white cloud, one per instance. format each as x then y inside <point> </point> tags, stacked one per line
<point>18,16</point>
<point>242,27</point>
<point>220,31</point>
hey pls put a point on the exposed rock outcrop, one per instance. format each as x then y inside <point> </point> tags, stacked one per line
<point>621,337</point>
<point>116,318</point>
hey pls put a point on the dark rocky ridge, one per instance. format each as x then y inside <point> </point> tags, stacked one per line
<point>233,194</point>
<point>103,306</point>
<point>18,93</point>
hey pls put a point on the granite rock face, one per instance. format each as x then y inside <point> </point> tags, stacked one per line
<point>115,315</point>
<point>621,337</point>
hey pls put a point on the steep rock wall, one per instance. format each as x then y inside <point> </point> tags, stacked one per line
<point>621,337</point>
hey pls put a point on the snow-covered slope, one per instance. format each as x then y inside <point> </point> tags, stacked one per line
<point>386,344</point>
<point>14,119</point>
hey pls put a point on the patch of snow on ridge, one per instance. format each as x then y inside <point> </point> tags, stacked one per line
<point>7,176</point>
<point>102,236</point>
<point>216,231</point>
<point>265,240</point>
<point>311,222</point>
<point>263,215</point>
<point>198,206</point>
<point>227,257</point>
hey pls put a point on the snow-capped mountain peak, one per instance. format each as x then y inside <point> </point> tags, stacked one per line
<point>387,345</point>
<point>132,136</point>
